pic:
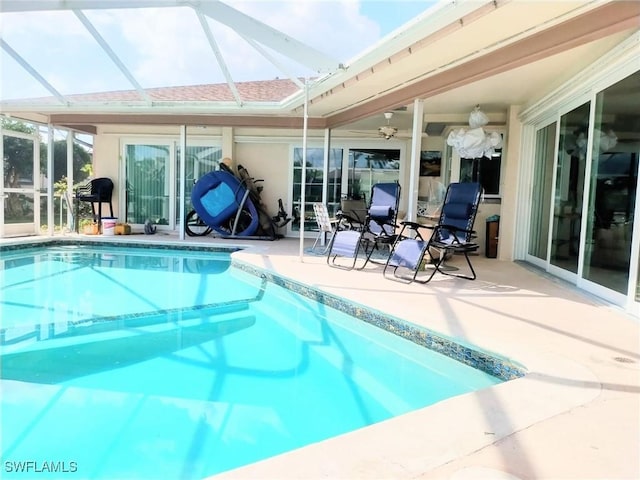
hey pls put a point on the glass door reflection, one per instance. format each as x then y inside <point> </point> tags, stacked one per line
<point>542,191</point>
<point>569,188</point>
<point>614,181</point>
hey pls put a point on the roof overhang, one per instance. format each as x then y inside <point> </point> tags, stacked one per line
<point>495,38</point>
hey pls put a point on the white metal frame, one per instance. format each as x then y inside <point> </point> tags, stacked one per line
<point>256,33</point>
<point>526,187</point>
<point>633,303</point>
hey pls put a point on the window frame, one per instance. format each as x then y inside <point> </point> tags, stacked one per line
<point>172,142</point>
<point>346,146</point>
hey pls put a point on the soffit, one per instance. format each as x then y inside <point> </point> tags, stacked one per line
<point>519,86</point>
<point>455,43</point>
<point>511,26</point>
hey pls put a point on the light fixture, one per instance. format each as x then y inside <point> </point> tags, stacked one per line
<point>387,131</point>
<point>475,143</point>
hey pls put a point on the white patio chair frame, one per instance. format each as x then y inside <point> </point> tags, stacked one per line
<point>326,225</point>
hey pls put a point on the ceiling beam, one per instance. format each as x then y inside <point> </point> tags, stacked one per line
<point>88,129</point>
<point>266,121</point>
<point>273,61</point>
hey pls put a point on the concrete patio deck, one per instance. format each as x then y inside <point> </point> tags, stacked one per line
<point>576,414</point>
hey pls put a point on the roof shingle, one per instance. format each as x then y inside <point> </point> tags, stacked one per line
<point>252,91</point>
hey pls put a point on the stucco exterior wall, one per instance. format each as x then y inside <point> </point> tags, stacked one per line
<point>108,144</point>
<point>510,175</point>
<point>267,159</point>
<point>106,163</point>
<point>268,162</point>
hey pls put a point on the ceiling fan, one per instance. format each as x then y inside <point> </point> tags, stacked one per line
<point>387,131</point>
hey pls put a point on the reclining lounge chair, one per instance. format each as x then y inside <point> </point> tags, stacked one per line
<point>453,234</point>
<point>376,230</point>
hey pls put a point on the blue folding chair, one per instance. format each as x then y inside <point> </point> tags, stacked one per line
<point>365,236</point>
<point>453,234</point>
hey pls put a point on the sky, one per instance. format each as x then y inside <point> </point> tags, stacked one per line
<point>167,46</point>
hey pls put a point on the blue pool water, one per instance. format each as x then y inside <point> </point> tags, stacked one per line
<point>140,363</point>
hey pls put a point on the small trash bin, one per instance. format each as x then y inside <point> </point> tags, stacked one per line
<point>109,225</point>
<point>491,233</point>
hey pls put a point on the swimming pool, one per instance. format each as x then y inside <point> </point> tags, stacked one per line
<point>146,363</point>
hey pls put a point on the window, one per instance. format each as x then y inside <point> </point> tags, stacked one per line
<point>485,170</point>
<point>351,174</point>
<point>370,166</point>
<point>314,182</point>
<point>199,160</point>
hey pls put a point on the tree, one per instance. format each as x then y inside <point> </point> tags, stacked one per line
<point>81,161</point>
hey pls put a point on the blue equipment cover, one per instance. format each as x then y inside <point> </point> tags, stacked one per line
<point>217,196</point>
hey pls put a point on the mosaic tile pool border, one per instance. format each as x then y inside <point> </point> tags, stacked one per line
<point>102,243</point>
<point>499,367</point>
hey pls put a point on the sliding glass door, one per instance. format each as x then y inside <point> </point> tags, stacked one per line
<point>569,188</point>
<point>148,188</point>
<point>368,166</point>
<point>614,182</point>
<point>199,160</point>
<point>542,192</point>
<point>350,175</point>
<point>583,216</point>
<point>636,293</point>
<point>152,178</point>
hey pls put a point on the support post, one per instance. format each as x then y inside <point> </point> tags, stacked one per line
<point>182,175</point>
<point>303,180</point>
